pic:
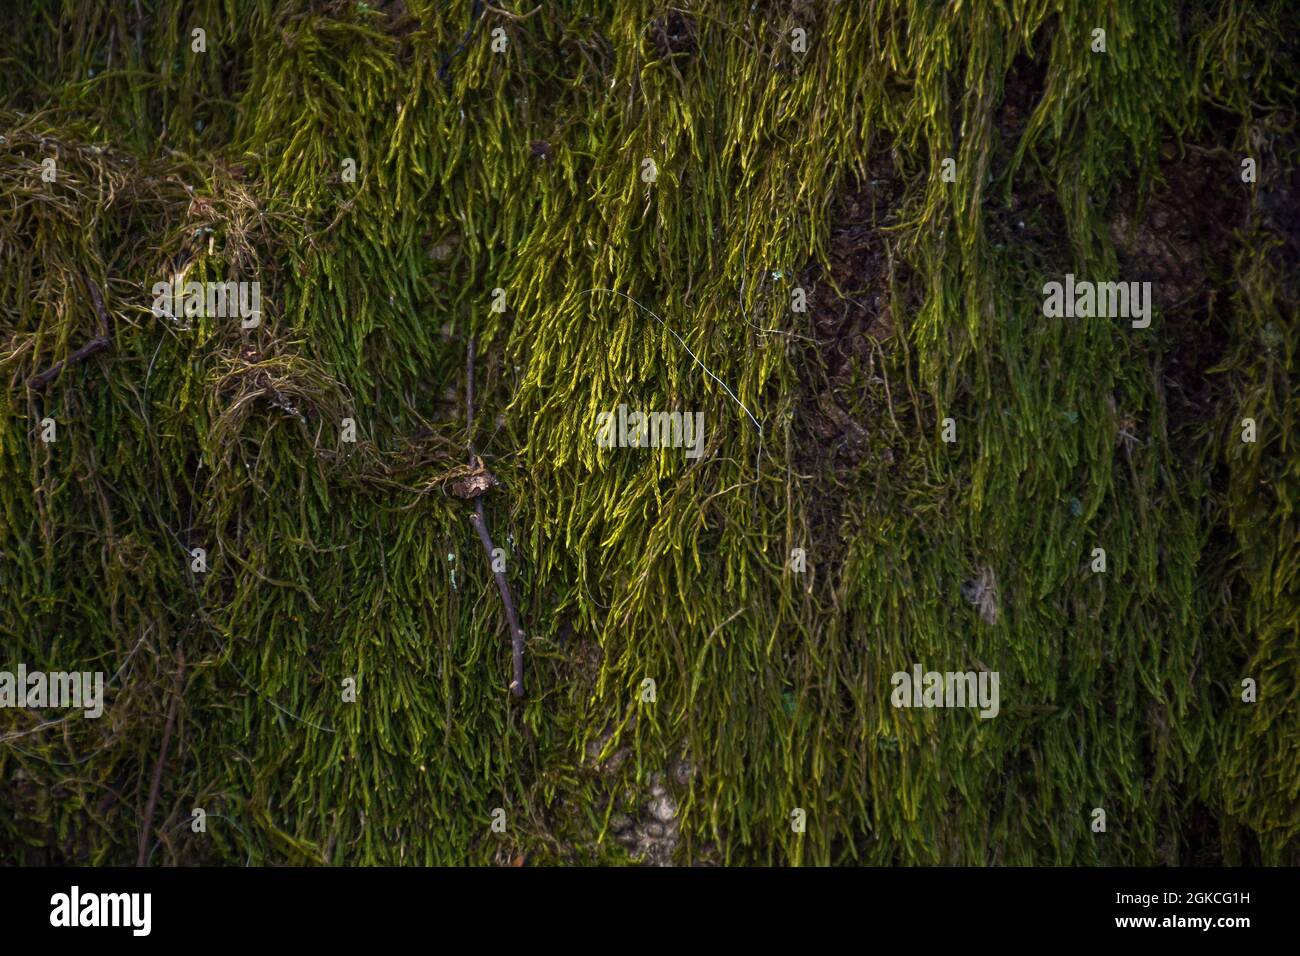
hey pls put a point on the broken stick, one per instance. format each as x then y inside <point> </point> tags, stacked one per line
<point>480,525</point>
<point>512,617</point>
<point>100,342</point>
<point>146,828</point>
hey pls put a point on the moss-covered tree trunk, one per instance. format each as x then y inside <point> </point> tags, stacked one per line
<point>824,228</point>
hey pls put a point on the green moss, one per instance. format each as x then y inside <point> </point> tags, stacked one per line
<point>331,560</point>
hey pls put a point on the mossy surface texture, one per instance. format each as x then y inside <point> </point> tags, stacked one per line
<point>522,169</point>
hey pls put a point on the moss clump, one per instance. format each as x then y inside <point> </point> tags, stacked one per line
<point>775,169</point>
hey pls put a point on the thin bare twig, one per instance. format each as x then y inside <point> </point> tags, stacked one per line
<point>512,617</point>
<point>476,11</point>
<point>99,343</point>
<point>146,829</point>
<point>39,382</point>
<point>480,525</point>
<point>469,397</point>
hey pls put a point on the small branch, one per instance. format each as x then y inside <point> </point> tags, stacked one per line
<point>480,525</point>
<point>40,381</point>
<point>476,11</point>
<point>146,830</point>
<point>469,397</point>
<point>98,344</point>
<point>97,301</point>
<point>512,616</point>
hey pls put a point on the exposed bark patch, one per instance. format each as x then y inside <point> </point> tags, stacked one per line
<point>859,266</point>
<point>845,404</point>
<point>673,33</point>
<point>852,329</point>
<point>1278,201</point>
<point>1181,241</point>
<point>1022,89</point>
<point>1032,219</point>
